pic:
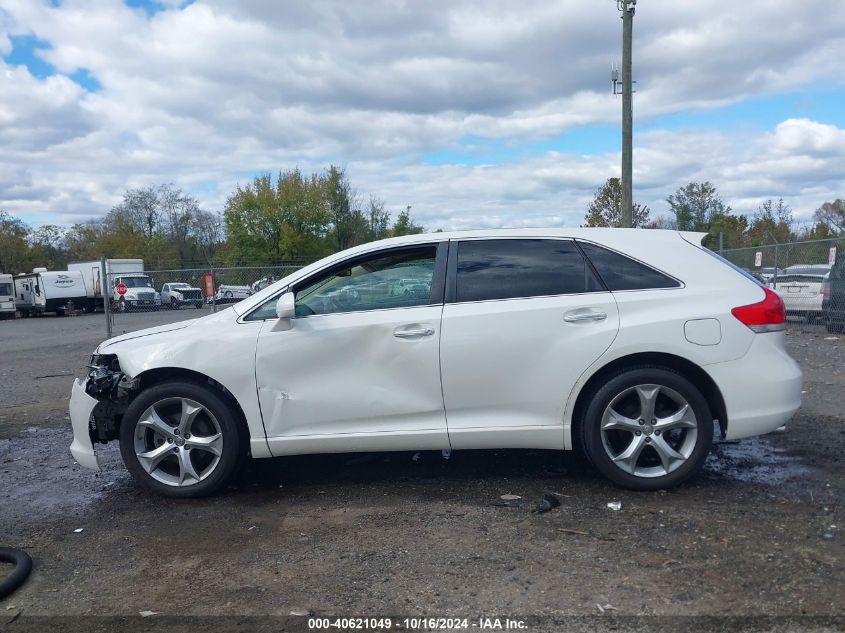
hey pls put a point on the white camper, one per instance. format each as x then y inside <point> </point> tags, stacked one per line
<point>7,296</point>
<point>49,291</point>
<point>130,272</point>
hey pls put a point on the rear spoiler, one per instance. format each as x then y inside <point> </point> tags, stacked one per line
<point>693,237</point>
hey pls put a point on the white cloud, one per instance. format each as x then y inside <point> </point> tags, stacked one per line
<point>204,94</point>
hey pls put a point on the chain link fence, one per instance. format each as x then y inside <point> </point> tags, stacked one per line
<point>147,298</point>
<point>800,273</point>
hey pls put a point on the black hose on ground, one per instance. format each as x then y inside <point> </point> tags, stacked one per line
<point>23,566</point>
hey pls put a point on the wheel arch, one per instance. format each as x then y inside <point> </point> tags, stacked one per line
<point>694,373</point>
<point>160,375</point>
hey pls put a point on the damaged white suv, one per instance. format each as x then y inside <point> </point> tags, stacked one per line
<point>627,345</point>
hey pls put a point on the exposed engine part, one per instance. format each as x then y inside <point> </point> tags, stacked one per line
<point>114,390</point>
<point>101,381</point>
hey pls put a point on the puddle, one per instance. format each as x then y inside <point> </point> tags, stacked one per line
<point>39,479</point>
<point>754,460</point>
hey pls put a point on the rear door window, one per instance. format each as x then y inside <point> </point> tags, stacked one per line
<point>518,268</point>
<point>620,272</point>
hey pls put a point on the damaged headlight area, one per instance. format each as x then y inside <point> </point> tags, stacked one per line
<point>113,391</point>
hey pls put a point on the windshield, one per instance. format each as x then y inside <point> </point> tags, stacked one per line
<point>136,282</point>
<point>5,290</point>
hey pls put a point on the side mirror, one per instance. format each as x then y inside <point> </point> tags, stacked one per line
<point>286,306</point>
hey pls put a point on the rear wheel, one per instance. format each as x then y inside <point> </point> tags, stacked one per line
<point>180,439</point>
<point>647,428</point>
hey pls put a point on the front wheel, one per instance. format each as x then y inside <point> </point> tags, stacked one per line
<point>180,439</point>
<point>647,428</point>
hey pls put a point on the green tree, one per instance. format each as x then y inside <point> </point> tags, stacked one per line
<point>606,207</point>
<point>14,249</point>
<point>696,205</point>
<point>339,196</point>
<point>771,222</point>
<point>405,225</point>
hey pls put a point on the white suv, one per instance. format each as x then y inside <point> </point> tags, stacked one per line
<point>624,344</point>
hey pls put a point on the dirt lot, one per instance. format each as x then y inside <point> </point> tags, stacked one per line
<point>759,533</point>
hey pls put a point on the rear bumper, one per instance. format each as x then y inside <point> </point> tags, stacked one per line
<point>81,407</point>
<point>762,390</point>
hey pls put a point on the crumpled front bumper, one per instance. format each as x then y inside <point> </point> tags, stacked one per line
<point>81,407</point>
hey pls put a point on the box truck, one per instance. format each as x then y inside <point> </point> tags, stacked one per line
<point>126,273</point>
<point>49,291</point>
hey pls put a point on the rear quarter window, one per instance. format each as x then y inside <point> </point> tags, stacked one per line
<point>520,268</point>
<point>620,272</point>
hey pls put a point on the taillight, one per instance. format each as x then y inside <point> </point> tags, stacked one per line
<point>826,290</point>
<point>767,316</point>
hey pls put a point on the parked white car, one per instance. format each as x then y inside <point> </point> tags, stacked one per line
<point>624,344</point>
<point>802,290</point>
<point>179,294</point>
<point>230,294</point>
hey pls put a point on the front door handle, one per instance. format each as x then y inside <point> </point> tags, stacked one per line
<point>413,332</point>
<point>577,316</point>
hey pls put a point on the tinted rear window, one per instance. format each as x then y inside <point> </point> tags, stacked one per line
<point>619,272</point>
<point>507,269</point>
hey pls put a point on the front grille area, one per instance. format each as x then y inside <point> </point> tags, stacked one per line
<point>191,295</point>
<point>146,296</point>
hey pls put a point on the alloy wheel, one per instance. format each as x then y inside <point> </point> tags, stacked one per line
<point>649,430</point>
<point>178,441</point>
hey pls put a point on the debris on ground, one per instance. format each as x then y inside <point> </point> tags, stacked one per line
<point>616,506</point>
<point>831,338</point>
<point>547,503</point>
<point>510,497</point>
<point>147,614</point>
<point>606,607</point>
<point>78,530</point>
<point>571,531</point>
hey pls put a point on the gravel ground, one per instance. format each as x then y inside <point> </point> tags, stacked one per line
<point>758,534</point>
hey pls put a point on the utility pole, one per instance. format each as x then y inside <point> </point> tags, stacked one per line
<point>628,7</point>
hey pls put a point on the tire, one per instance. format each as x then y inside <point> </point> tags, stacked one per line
<point>174,305</point>
<point>23,567</point>
<point>198,306</point>
<point>179,471</point>
<point>834,327</point>
<point>664,454</point>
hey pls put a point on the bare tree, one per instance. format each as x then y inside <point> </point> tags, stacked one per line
<point>606,207</point>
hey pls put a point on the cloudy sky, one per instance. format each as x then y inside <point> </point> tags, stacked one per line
<point>475,113</point>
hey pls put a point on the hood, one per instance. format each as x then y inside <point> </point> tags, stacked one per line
<point>151,331</point>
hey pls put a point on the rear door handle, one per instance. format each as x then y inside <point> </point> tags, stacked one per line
<point>413,332</point>
<point>577,316</point>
